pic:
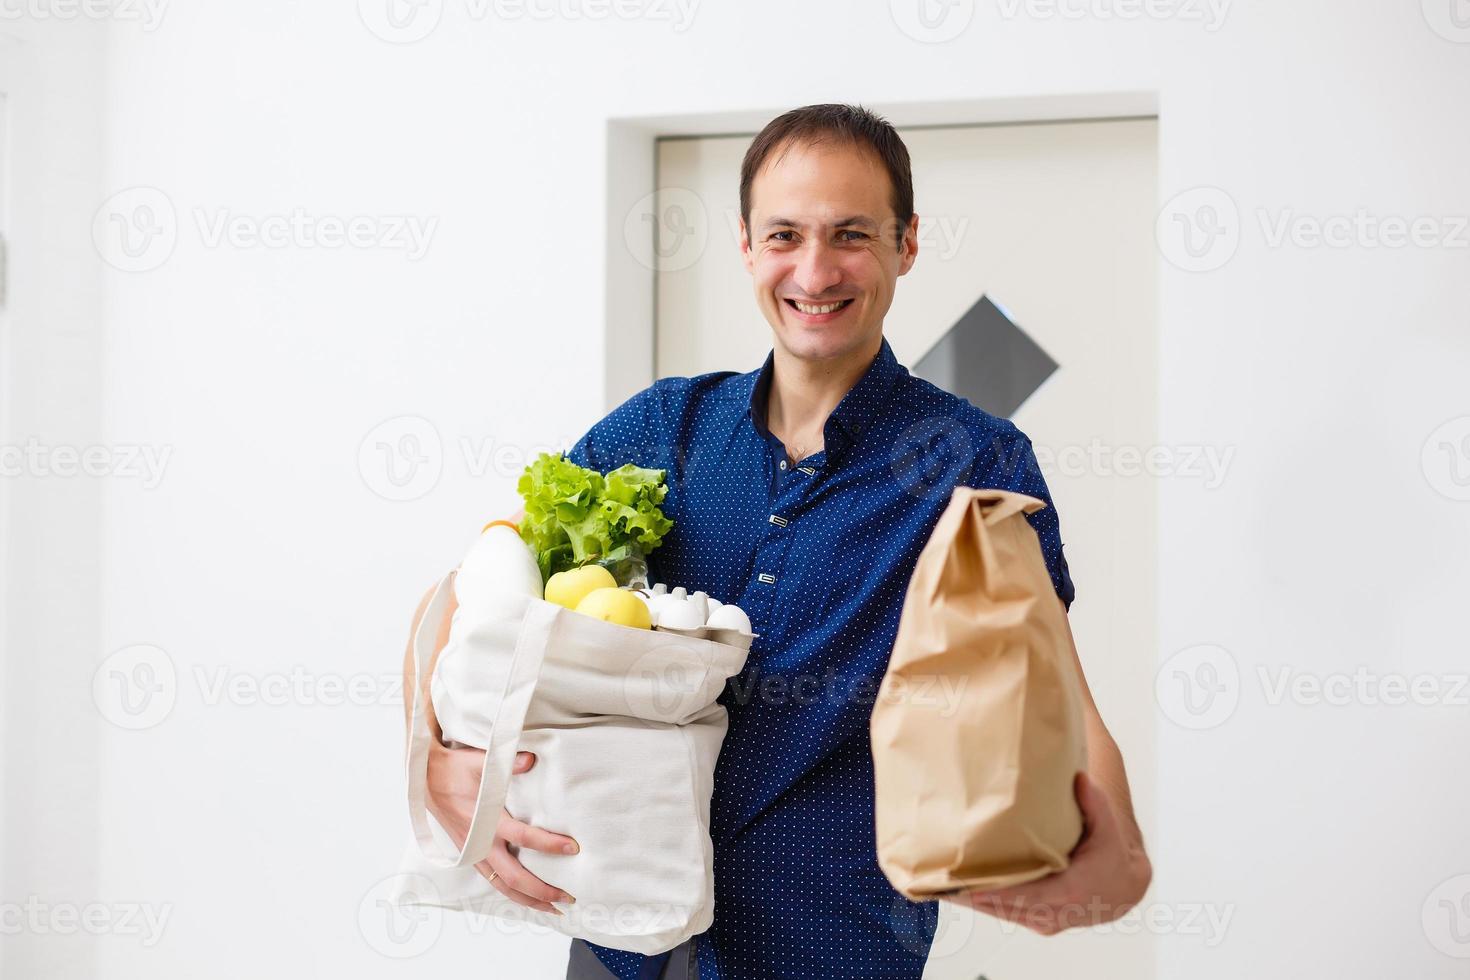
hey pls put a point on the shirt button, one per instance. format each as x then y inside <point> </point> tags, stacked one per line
<point>783,464</point>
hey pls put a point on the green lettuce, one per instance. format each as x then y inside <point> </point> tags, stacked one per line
<point>575,515</point>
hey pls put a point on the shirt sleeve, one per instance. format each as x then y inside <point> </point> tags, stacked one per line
<point>631,433</point>
<point>1009,463</point>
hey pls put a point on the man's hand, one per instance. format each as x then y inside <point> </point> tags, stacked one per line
<point>1107,876</point>
<point>454,785</point>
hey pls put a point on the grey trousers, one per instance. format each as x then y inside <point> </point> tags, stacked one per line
<point>583,964</point>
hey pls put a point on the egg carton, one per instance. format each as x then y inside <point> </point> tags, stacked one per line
<point>730,635</point>
<point>734,638</point>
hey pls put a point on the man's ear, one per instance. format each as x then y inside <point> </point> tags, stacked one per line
<point>745,253</point>
<point>909,249</point>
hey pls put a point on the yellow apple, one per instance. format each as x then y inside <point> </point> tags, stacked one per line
<point>570,587</point>
<point>616,605</point>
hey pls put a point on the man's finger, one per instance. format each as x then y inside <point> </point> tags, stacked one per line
<point>498,883</point>
<point>513,831</point>
<point>517,877</point>
<point>524,762</point>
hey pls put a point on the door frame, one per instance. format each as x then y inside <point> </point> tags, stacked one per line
<point>631,152</point>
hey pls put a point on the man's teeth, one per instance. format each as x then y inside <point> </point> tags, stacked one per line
<point>814,310</point>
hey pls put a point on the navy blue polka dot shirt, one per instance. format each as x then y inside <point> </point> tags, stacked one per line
<point>819,553</point>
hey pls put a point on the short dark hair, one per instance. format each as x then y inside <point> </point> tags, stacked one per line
<point>815,124</point>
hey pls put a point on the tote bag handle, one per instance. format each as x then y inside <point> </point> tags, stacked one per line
<point>505,732</point>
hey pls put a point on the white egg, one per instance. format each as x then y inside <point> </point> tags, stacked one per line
<point>656,604</point>
<point>729,617</point>
<point>680,614</point>
<point>714,603</point>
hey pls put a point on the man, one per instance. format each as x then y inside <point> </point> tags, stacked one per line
<point>803,492</point>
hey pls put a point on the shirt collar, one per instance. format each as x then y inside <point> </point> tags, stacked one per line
<point>860,407</point>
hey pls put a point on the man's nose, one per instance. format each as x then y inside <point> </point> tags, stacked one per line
<point>817,270</point>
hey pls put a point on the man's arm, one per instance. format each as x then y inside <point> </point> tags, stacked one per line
<point>1109,870</point>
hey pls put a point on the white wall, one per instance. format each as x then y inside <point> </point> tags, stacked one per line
<point>1321,830</point>
<point>50,576</point>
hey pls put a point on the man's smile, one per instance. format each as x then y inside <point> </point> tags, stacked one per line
<point>818,312</point>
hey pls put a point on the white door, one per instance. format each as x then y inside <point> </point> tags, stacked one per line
<point>1053,222</point>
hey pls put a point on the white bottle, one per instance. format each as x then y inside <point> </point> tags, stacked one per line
<point>498,562</point>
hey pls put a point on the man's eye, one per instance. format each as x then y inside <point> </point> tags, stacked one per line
<point>777,236</point>
<point>849,231</point>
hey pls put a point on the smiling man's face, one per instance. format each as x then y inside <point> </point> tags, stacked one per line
<point>822,234</point>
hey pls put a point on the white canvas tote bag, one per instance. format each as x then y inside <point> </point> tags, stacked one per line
<point>626,731</point>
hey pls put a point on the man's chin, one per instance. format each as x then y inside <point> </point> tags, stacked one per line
<point>820,342</point>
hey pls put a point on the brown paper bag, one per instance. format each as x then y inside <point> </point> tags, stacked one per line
<point>977,730</point>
